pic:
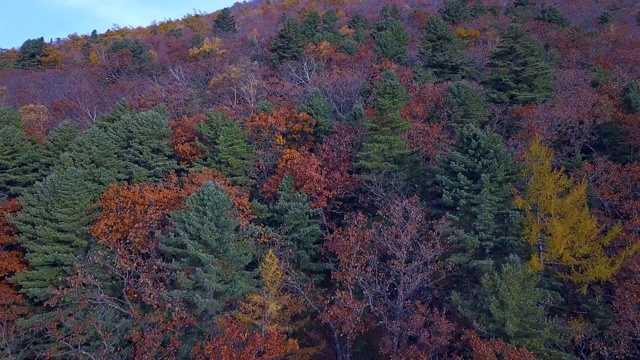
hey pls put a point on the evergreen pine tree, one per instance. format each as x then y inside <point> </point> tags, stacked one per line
<point>511,305</point>
<point>310,27</point>
<point>474,182</point>
<point>455,11</point>
<point>631,97</point>
<point>319,108</point>
<point>124,147</point>
<point>520,74</point>
<point>443,54</point>
<point>54,229</point>
<point>552,15</point>
<point>29,53</point>
<point>391,39</point>
<point>360,24</point>
<point>330,31</point>
<point>287,45</point>
<point>522,10</point>
<point>9,117</point>
<point>208,254</point>
<point>298,226</point>
<point>226,148</point>
<point>20,158</point>
<point>58,142</point>
<point>384,149</point>
<point>466,105</point>
<point>225,22</point>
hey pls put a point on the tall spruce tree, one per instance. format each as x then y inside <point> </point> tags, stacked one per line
<point>54,230</point>
<point>58,142</point>
<point>444,54</point>
<point>466,105</point>
<point>208,254</point>
<point>298,225</point>
<point>474,182</point>
<point>519,74</point>
<point>226,148</point>
<point>391,39</point>
<point>20,157</point>
<point>320,109</point>
<point>225,22</point>
<point>287,45</point>
<point>512,306</point>
<point>384,148</point>
<point>310,27</point>
<point>29,53</point>
<point>125,147</point>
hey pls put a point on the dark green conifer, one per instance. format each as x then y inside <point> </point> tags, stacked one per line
<point>54,230</point>
<point>298,225</point>
<point>361,25</point>
<point>519,72</point>
<point>319,108</point>
<point>310,27</point>
<point>552,15</point>
<point>58,142</point>
<point>208,254</point>
<point>466,105</point>
<point>287,45</point>
<point>125,147</point>
<point>29,52</point>
<point>391,39</point>
<point>225,22</point>
<point>384,148</point>
<point>226,148</point>
<point>631,97</point>
<point>474,182</point>
<point>443,54</point>
<point>512,306</point>
<point>20,158</point>
<point>455,11</point>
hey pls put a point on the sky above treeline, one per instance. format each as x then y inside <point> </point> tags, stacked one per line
<point>51,19</point>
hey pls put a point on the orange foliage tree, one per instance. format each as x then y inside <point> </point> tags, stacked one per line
<point>12,304</point>
<point>36,118</point>
<point>184,139</point>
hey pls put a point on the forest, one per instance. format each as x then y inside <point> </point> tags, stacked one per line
<point>326,179</point>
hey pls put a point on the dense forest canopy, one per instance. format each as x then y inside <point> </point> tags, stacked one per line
<point>326,179</point>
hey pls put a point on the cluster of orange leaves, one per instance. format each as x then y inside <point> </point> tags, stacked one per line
<point>184,139</point>
<point>495,349</point>
<point>285,126</point>
<point>323,175</point>
<point>131,213</point>
<point>12,304</point>
<point>36,118</point>
<point>237,342</point>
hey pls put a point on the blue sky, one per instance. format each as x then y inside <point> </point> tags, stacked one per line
<point>28,19</point>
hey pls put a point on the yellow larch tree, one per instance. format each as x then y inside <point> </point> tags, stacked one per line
<point>272,308</point>
<point>559,226</point>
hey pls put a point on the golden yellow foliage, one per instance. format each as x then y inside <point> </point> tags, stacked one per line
<point>52,57</point>
<point>154,56</point>
<point>346,31</point>
<point>289,4</point>
<point>209,47</point>
<point>272,308</point>
<point>467,34</point>
<point>94,59</point>
<point>197,23</point>
<point>3,95</point>
<point>559,225</point>
<point>35,117</point>
<point>166,26</point>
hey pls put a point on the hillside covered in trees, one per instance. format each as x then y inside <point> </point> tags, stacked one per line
<point>326,179</point>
